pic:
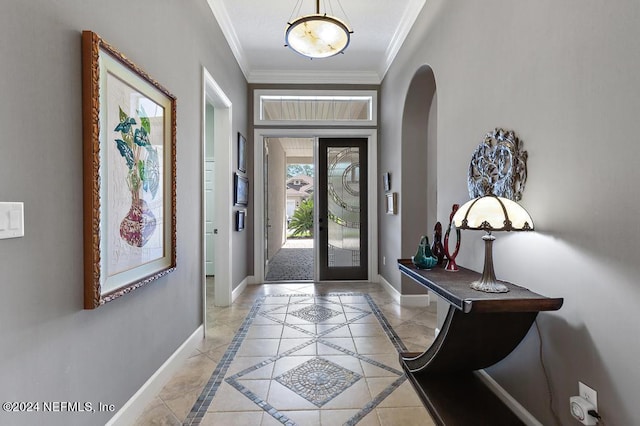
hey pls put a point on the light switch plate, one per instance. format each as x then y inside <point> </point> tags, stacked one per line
<point>11,220</point>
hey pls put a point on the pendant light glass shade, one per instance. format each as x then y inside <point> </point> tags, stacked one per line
<point>317,36</point>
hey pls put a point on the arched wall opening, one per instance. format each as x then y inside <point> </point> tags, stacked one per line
<point>418,201</point>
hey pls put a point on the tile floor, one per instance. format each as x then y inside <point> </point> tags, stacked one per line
<point>305,354</point>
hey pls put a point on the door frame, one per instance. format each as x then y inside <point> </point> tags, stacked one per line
<point>322,211</point>
<point>222,147</point>
<point>370,134</point>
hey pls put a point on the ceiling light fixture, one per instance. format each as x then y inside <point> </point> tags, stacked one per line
<point>317,35</point>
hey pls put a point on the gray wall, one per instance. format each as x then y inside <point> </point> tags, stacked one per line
<point>52,349</point>
<point>564,76</point>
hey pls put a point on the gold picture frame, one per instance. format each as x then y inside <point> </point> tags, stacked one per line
<point>129,164</point>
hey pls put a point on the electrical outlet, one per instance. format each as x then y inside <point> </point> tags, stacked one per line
<point>589,394</point>
<point>384,260</point>
<point>580,408</point>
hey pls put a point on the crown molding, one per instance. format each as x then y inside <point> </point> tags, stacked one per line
<point>318,77</point>
<point>313,77</point>
<point>222,16</point>
<point>402,31</point>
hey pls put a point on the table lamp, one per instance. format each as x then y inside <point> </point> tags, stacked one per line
<point>491,213</point>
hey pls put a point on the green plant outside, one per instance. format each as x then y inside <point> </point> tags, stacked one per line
<point>302,220</point>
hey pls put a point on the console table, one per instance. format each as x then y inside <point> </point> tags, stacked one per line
<point>479,330</point>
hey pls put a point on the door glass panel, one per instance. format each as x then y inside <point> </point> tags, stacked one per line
<point>342,209</point>
<point>343,196</point>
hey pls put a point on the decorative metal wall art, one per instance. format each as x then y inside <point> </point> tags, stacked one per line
<point>498,166</point>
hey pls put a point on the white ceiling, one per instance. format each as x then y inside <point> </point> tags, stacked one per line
<point>296,148</point>
<point>255,31</point>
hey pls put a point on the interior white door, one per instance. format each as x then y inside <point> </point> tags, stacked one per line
<point>210,230</point>
<point>267,226</point>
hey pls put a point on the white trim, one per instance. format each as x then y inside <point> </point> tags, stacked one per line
<point>131,410</point>
<point>407,300</point>
<point>402,31</point>
<point>222,16</point>
<point>507,399</point>
<point>223,143</point>
<point>238,290</point>
<point>259,93</point>
<point>258,188</point>
<point>395,294</point>
<point>289,76</point>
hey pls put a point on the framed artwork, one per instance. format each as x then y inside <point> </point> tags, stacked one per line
<point>240,216</point>
<point>242,153</point>
<point>241,190</point>
<point>386,180</point>
<point>129,164</point>
<point>392,203</point>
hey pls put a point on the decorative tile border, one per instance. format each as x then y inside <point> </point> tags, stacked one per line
<point>314,316</point>
<point>199,409</point>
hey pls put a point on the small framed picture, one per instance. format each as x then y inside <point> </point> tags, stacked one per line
<point>386,179</point>
<point>392,203</point>
<point>240,216</point>
<point>241,190</point>
<point>242,153</point>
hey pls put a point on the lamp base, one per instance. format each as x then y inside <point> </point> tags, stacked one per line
<point>488,282</point>
<point>489,287</point>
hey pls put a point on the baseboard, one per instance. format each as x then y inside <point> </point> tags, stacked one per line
<point>509,401</point>
<point>132,409</point>
<point>238,290</point>
<point>409,300</point>
<point>395,294</point>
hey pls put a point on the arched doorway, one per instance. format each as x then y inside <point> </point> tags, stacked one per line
<point>419,164</point>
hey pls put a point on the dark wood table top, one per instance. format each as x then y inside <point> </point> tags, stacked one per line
<point>454,287</point>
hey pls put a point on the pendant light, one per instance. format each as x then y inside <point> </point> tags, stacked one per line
<point>317,35</point>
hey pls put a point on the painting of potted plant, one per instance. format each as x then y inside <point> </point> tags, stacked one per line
<point>143,176</point>
<point>129,174</point>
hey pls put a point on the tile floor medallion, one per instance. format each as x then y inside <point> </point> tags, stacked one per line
<point>318,380</point>
<point>300,359</point>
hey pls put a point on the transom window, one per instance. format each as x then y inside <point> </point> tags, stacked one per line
<point>317,108</point>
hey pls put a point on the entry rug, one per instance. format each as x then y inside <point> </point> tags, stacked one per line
<point>295,353</point>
